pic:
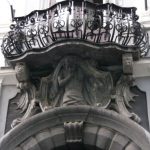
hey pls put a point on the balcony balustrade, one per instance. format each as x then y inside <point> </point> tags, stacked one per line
<point>75,20</point>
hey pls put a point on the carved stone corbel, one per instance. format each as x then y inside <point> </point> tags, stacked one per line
<point>28,102</point>
<point>127,62</point>
<point>75,81</point>
<point>122,97</point>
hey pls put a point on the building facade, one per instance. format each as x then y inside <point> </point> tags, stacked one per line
<point>79,78</point>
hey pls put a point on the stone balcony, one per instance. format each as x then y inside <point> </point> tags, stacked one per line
<point>75,23</point>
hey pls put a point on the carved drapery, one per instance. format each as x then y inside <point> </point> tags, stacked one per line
<point>77,81</point>
<point>76,56</point>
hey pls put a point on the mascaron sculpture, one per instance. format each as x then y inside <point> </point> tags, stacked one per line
<point>74,54</point>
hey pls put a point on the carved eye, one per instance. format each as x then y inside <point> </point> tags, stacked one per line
<point>12,26</point>
<point>32,20</point>
<point>22,23</point>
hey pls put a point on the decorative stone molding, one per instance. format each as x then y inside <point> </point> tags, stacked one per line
<point>103,129</point>
<point>76,81</point>
<point>74,64</point>
<point>73,132</point>
<point>127,61</point>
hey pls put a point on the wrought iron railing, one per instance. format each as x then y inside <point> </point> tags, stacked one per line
<point>106,23</point>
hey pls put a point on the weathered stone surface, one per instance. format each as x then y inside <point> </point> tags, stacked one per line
<point>104,137</point>
<point>76,81</point>
<point>90,135</point>
<point>44,139</point>
<point>132,146</point>
<point>118,129</point>
<point>30,144</point>
<point>75,71</point>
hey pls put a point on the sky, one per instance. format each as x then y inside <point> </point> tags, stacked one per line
<point>23,7</point>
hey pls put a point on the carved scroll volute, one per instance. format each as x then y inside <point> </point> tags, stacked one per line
<point>27,102</point>
<point>76,82</point>
<point>123,95</point>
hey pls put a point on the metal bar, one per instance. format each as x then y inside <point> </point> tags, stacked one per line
<point>146,5</point>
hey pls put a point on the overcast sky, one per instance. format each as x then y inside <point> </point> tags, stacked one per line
<point>22,7</point>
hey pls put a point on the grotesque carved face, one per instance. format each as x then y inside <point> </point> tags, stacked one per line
<point>22,72</point>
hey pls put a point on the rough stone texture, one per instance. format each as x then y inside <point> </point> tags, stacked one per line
<point>105,136</point>
<point>30,144</point>
<point>44,139</point>
<point>8,85</point>
<point>90,131</point>
<point>143,85</point>
<point>76,81</point>
<point>78,84</point>
<point>117,130</point>
<point>118,142</point>
<point>132,146</point>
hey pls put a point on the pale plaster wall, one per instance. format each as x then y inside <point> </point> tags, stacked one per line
<point>8,90</point>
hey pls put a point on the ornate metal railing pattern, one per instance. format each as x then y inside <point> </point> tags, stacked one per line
<point>75,20</point>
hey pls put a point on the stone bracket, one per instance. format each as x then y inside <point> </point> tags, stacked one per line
<point>127,62</point>
<point>73,131</point>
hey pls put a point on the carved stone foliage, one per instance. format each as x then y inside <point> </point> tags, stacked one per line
<point>27,102</point>
<point>75,81</point>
